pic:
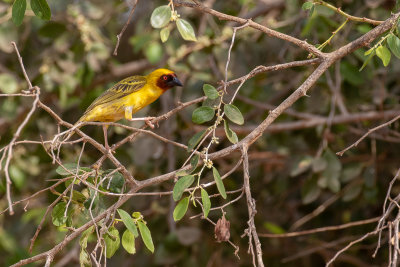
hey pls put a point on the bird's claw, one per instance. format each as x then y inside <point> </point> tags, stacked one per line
<point>149,122</point>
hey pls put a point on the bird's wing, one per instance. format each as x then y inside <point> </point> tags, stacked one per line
<point>119,90</point>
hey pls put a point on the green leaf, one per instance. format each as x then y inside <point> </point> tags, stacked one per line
<point>136,215</point>
<point>85,236</point>
<point>84,259</point>
<point>352,192</point>
<point>181,208</point>
<point>117,183</point>
<point>164,34</point>
<point>18,11</point>
<point>384,54</point>
<point>8,83</point>
<point>181,185</point>
<point>307,5</point>
<point>194,161</point>
<point>78,196</point>
<point>70,169</point>
<point>369,51</point>
<point>218,181</point>
<point>310,190</point>
<point>112,240</point>
<point>394,44</point>
<point>146,236</point>
<point>186,30</point>
<point>195,140</point>
<point>234,114</point>
<point>330,176</point>
<point>367,61</point>
<point>41,9</point>
<point>205,199</point>
<point>160,16</point>
<point>210,91</point>
<point>153,52</point>
<point>202,114</point>
<point>128,242</point>
<point>231,135</point>
<point>273,228</point>
<point>57,215</point>
<point>301,166</point>
<point>128,221</point>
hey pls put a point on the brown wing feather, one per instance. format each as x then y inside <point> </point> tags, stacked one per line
<point>119,90</point>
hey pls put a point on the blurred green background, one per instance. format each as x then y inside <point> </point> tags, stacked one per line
<point>292,172</point>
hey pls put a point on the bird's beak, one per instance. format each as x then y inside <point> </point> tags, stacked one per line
<point>177,82</point>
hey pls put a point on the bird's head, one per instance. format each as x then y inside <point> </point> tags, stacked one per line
<point>164,79</point>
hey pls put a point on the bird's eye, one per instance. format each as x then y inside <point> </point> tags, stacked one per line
<point>165,77</point>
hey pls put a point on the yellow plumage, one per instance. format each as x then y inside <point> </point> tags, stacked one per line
<point>128,97</point>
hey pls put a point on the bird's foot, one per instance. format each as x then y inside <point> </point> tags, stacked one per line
<point>148,121</point>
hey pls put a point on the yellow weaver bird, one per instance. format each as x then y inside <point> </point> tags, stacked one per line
<point>128,97</point>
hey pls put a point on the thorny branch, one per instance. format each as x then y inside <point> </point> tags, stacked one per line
<point>324,61</point>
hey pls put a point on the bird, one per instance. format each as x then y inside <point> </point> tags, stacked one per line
<point>127,97</point>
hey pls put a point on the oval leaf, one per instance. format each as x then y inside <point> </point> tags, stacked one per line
<point>210,91</point>
<point>160,16</point>
<point>128,221</point>
<point>181,208</point>
<point>205,199</point>
<point>57,215</point>
<point>195,140</point>
<point>18,11</point>
<point>307,5</point>
<point>41,9</point>
<point>128,242</point>
<point>202,114</point>
<point>384,54</point>
<point>146,236</point>
<point>231,135</point>
<point>112,241</point>
<point>181,185</point>
<point>164,34</point>
<point>234,114</point>
<point>186,30</point>
<point>394,44</point>
<point>220,184</point>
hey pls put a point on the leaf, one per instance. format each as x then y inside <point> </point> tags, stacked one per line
<point>301,166</point>
<point>234,114</point>
<point>352,192</point>
<point>310,190</point>
<point>330,176</point>
<point>307,5</point>
<point>160,16</point>
<point>18,11</point>
<point>195,140</point>
<point>394,44</point>
<point>205,199</point>
<point>146,236</point>
<point>186,30</point>
<point>112,240</point>
<point>181,208</point>
<point>384,54</point>
<point>70,169</point>
<point>231,135</point>
<point>210,91</point>
<point>164,34</point>
<point>78,196</point>
<point>57,215</point>
<point>85,236</point>
<point>84,259</point>
<point>367,61</point>
<point>202,114</point>
<point>117,183</point>
<point>273,228</point>
<point>218,181</point>
<point>8,84</point>
<point>128,242</point>
<point>194,161</point>
<point>128,221</point>
<point>318,164</point>
<point>41,9</point>
<point>181,185</point>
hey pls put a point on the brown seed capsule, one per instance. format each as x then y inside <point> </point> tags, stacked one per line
<point>222,230</point>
